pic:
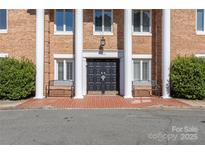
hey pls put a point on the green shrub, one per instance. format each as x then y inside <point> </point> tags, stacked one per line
<point>17,78</point>
<point>188,78</point>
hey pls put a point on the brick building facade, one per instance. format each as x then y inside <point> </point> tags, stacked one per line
<point>112,61</point>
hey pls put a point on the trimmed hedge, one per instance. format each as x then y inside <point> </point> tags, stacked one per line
<point>17,78</point>
<point>188,78</point>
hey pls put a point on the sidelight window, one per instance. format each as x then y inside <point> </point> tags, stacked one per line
<point>142,69</point>
<point>64,69</point>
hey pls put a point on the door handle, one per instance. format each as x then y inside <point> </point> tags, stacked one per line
<point>103,77</point>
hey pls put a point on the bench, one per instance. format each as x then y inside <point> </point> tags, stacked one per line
<point>142,88</point>
<point>60,88</point>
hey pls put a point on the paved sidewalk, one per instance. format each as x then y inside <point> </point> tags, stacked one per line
<point>102,102</point>
<point>194,103</point>
<point>8,104</point>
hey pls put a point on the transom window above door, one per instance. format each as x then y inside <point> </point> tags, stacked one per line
<point>200,26</point>
<point>142,22</point>
<point>3,20</point>
<point>63,21</point>
<point>103,22</point>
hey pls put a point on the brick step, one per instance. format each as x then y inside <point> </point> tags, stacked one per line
<point>60,93</point>
<point>142,92</point>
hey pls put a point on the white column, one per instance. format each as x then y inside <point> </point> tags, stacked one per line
<point>128,53</point>
<point>166,53</point>
<point>39,53</point>
<point>78,53</point>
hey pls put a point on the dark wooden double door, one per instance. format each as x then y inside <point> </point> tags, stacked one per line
<point>103,76</point>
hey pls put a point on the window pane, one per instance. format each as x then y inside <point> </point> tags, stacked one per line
<point>136,70</point>
<point>107,20</point>
<point>98,20</point>
<point>69,20</point>
<point>200,20</point>
<point>136,21</point>
<point>69,71</point>
<point>146,21</point>
<point>59,20</point>
<point>145,70</point>
<point>3,19</point>
<point>60,70</point>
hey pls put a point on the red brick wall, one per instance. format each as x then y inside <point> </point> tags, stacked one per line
<point>157,46</point>
<point>184,40</point>
<point>20,41</point>
<point>114,41</point>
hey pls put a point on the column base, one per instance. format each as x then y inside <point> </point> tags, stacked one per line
<point>166,97</point>
<point>39,97</point>
<point>127,96</point>
<point>78,97</point>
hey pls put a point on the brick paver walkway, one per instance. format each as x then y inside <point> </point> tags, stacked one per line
<point>101,102</point>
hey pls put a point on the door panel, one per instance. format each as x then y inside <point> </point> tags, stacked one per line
<point>103,75</point>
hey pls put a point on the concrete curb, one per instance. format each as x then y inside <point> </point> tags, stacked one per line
<point>10,104</point>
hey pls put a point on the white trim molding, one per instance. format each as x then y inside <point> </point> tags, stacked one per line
<point>201,55</point>
<point>103,54</point>
<point>69,56</point>
<point>142,56</point>
<point>3,55</point>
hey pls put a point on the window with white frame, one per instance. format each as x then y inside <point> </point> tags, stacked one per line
<point>64,69</point>
<point>3,20</point>
<point>142,21</point>
<point>63,21</point>
<point>142,69</point>
<point>200,20</point>
<point>103,21</point>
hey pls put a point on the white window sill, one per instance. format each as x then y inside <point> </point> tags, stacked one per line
<point>200,33</point>
<point>103,34</point>
<point>3,31</point>
<point>3,55</point>
<point>63,33</point>
<point>142,33</point>
<point>200,55</point>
